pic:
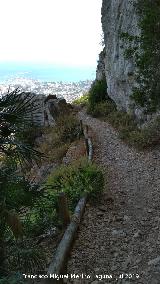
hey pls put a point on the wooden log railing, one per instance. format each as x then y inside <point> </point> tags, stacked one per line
<point>63,209</point>
<point>60,257</point>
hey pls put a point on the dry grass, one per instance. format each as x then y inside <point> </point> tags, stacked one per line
<point>75,151</point>
<point>58,139</point>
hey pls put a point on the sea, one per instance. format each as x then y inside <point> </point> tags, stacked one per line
<point>67,82</point>
<point>45,72</point>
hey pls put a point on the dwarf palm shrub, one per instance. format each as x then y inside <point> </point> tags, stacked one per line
<point>76,180</point>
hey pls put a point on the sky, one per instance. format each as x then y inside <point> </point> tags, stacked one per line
<point>62,32</point>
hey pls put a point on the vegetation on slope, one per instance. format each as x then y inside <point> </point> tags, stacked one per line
<point>58,139</point>
<point>16,191</point>
<point>28,211</point>
<point>103,107</point>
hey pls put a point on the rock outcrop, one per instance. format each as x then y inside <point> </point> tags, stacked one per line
<point>100,72</point>
<point>48,108</point>
<point>118,16</point>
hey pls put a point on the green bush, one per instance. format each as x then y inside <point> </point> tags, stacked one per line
<point>142,138</point>
<point>83,101</point>
<point>16,190</point>
<point>13,279</point>
<point>67,128</point>
<point>121,120</point>
<point>30,134</point>
<point>26,257</point>
<point>76,180</point>
<point>103,109</point>
<point>138,138</point>
<point>147,137</point>
<point>97,94</point>
<point>42,215</point>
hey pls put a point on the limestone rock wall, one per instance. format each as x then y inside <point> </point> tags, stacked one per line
<point>119,16</point>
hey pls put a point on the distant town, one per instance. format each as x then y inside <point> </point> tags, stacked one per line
<point>69,91</point>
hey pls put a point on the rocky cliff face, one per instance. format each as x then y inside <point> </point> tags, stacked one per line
<point>118,16</point>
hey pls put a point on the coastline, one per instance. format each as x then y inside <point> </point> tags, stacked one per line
<point>68,90</point>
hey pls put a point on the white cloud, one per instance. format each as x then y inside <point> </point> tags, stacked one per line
<point>56,31</point>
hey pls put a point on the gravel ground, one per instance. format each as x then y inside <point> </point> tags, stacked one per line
<point>120,238</point>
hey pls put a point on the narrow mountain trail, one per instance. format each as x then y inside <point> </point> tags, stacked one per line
<point>120,236</point>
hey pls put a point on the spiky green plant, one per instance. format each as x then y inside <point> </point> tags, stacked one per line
<point>26,257</point>
<point>16,109</point>
<point>16,113</point>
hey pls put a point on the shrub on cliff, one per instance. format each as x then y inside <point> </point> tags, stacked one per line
<point>97,94</point>
<point>82,101</point>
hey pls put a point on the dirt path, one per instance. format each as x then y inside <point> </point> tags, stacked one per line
<point>121,236</point>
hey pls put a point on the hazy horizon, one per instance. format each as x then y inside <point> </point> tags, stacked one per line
<point>45,72</point>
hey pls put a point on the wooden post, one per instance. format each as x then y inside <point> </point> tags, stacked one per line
<point>87,129</point>
<point>63,209</point>
<point>86,139</point>
<point>81,127</point>
<point>87,146</point>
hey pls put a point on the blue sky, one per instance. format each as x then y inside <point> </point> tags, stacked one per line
<point>62,32</point>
